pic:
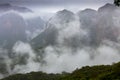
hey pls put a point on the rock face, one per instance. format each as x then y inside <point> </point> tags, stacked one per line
<point>57,23</point>
<point>107,7</point>
<point>12,29</point>
<point>65,16</point>
<point>34,26</point>
<point>106,29</point>
<point>62,18</point>
<point>87,18</point>
<point>35,23</point>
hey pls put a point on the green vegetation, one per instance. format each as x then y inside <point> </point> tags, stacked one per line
<point>102,72</point>
<point>117,2</point>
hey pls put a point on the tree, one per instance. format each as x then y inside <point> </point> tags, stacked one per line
<point>117,2</point>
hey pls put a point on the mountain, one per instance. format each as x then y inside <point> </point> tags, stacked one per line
<point>107,7</point>
<point>35,26</point>
<point>65,16</point>
<point>30,27</point>
<point>106,27</point>
<point>45,38</point>
<point>100,24</point>
<point>62,18</point>
<point>35,23</point>
<point>101,72</point>
<point>57,23</point>
<point>12,29</point>
<point>8,7</point>
<point>87,18</point>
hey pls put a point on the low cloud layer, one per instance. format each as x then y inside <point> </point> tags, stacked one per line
<point>79,40</point>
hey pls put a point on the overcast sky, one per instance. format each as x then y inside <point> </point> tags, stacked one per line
<point>56,5</point>
<point>55,2</point>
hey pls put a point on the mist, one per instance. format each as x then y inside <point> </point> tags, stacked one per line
<point>88,37</point>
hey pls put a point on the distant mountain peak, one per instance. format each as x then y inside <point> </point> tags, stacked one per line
<point>65,15</point>
<point>65,11</point>
<point>87,12</point>
<point>108,4</point>
<point>88,9</point>
<point>107,7</point>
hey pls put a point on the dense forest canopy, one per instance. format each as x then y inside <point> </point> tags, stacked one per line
<point>103,72</point>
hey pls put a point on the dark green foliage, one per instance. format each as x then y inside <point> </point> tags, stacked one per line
<point>117,2</point>
<point>33,76</point>
<point>103,72</point>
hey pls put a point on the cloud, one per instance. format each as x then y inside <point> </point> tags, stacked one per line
<point>72,49</point>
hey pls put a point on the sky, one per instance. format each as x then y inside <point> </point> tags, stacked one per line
<point>58,3</point>
<point>48,7</point>
<point>55,2</point>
